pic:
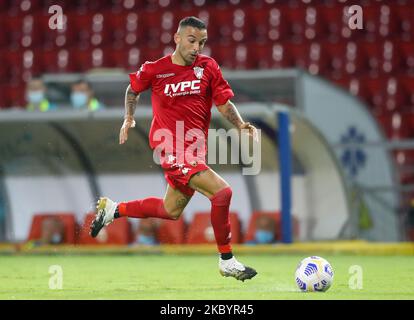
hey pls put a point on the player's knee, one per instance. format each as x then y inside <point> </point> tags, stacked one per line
<point>222,197</point>
<point>174,213</point>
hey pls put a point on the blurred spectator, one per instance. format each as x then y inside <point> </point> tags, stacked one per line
<point>36,96</point>
<point>82,96</point>
<point>265,231</point>
<point>147,232</point>
<point>52,231</point>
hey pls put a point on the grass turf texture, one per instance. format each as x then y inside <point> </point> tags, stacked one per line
<point>196,277</point>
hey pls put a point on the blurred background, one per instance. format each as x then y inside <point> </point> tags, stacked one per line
<point>349,94</point>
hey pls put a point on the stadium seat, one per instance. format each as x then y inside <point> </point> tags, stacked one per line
<point>404,14</point>
<point>23,7</point>
<point>23,64</point>
<point>117,233</point>
<point>379,21</point>
<point>395,125</point>
<point>200,229</point>
<point>127,28</point>
<point>249,236</point>
<point>309,56</point>
<point>233,56</point>
<point>382,56</point>
<point>305,23</point>
<point>119,6</point>
<point>407,82</point>
<point>14,95</point>
<point>92,29</point>
<point>269,24</point>
<point>159,27</point>
<point>67,218</point>
<point>336,22</point>
<point>385,94</point>
<point>271,55</point>
<point>58,61</point>
<point>344,58</point>
<point>23,32</point>
<point>406,49</point>
<point>91,58</point>
<point>171,231</point>
<point>129,59</point>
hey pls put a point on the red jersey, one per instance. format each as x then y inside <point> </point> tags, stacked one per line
<point>182,96</point>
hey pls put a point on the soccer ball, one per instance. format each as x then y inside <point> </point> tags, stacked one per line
<point>314,274</point>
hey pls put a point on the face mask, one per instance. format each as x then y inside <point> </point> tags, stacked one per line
<point>79,99</point>
<point>263,236</point>
<point>56,238</point>
<point>35,96</point>
<point>142,239</point>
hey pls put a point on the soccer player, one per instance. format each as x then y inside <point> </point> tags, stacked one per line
<point>184,86</point>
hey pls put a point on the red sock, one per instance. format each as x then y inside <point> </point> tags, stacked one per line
<point>144,208</point>
<point>220,220</point>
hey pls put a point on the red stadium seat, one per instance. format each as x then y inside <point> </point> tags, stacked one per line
<point>379,21</point>
<point>406,49</point>
<point>200,230</point>
<point>129,59</point>
<point>305,23</point>
<point>231,24</point>
<point>91,58</point>
<point>23,7</point>
<point>385,94</point>
<point>119,6</point>
<point>395,125</point>
<point>233,56</point>
<point>407,82</point>
<point>269,24</point>
<point>92,29</point>
<point>127,28</point>
<point>382,56</point>
<point>14,95</point>
<point>344,58</point>
<point>309,56</point>
<point>278,226</point>
<point>23,32</point>
<point>67,218</point>
<point>171,231</point>
<point>117,233</point>
<point>271,55</point>
<point>159,27</point>
<point>404,14</point>
<point>23,64</point>
<point>58,61</point>
<point>336,20</point>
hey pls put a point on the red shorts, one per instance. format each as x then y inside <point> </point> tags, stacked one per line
<point>179,175</point>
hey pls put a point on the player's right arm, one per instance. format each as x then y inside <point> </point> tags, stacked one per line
<point>139,82</point>
<point>131,100</point>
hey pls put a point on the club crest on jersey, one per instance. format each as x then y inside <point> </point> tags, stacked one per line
<point>198,72</point>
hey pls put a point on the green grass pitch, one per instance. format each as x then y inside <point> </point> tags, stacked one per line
<point>196,277</point>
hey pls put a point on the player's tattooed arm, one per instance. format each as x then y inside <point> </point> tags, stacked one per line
<point>131,100</point>
<point>230,112</point>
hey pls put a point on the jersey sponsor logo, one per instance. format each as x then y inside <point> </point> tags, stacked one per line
<point>165,75</point>
<point>198,72</point>
<point>182,88</point>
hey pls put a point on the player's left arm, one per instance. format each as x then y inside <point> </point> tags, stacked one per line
<point>230,112</point>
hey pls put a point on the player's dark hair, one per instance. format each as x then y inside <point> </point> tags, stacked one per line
<point>82,81</point>
<point>192,22</point>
